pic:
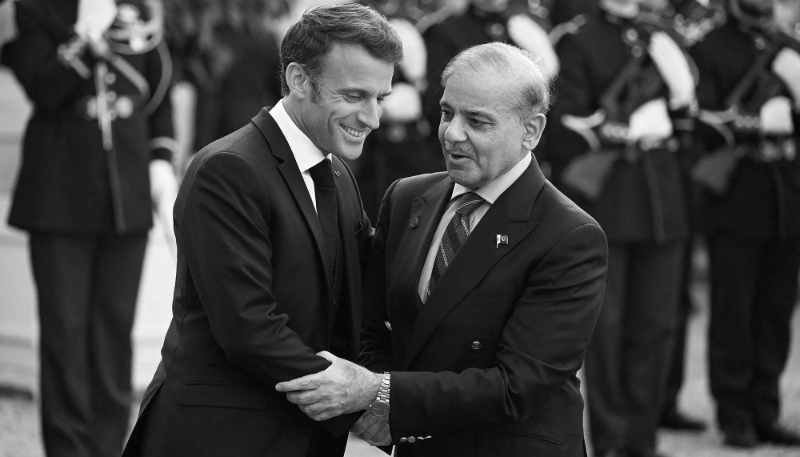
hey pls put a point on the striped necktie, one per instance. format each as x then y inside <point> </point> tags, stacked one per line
<point>454,236</point>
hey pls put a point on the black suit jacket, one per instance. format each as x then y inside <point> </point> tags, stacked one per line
<point>487,366</point>
<point>251,302</point>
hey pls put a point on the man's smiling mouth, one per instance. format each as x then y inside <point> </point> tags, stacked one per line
<point>353,132</point>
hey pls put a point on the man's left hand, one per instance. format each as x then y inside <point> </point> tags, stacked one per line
<point>373,429</point>
<point>342,388</point>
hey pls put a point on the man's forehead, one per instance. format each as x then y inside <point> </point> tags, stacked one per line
<point>352,64</point>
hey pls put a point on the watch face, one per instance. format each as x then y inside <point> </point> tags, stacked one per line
<point>379,408</point>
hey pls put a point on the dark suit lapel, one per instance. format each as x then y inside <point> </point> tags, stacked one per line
<point>291,174</point>
<point>509,215</point>
<point>349,212</point>
<point>426,211</point>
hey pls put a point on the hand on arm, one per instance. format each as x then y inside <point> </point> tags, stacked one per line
<point>342,388</point>
<point>373,429</point>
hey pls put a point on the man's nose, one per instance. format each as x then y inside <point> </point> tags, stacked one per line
<point>370,114</point>
<point>454,131</point>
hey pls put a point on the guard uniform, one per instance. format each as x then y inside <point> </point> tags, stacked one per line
<point>639,203</point>
<point>83,194</point>
<point>752,230</point>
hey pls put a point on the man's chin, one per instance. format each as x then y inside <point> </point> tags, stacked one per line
<point>349,153</point>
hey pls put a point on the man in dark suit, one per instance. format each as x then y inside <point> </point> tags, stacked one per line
<point>270,230</point>
<point>483,285</point>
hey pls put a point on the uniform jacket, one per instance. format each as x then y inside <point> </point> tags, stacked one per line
<point>251,304</point>
<point>68,181</point>
<point>487,366</point>
<point>446,39</point>
<point>763,199</point>
<point>642,201</point>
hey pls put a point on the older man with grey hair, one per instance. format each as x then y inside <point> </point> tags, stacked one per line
<point>483,285</point>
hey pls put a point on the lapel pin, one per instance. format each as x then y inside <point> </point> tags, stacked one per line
<point>336,173</point>
<point>501,239</point>
<point>388,325</point>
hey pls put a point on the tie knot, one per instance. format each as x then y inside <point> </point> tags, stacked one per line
<point>322,174</point>
<point>469,203</point>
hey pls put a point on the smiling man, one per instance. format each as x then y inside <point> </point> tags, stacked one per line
<point>483,284</point>
<point>270,232</point>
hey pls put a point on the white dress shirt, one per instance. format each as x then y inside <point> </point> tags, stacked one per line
<point>305,152</point>
<point>490,192</point>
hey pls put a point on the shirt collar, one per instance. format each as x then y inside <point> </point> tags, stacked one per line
<point>492,190</point>
<point>305,152</point>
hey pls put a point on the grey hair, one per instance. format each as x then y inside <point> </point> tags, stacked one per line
<point>530,82</point>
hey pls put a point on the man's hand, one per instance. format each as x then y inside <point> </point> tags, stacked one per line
<point>373,429</point>
<point>342,388</point>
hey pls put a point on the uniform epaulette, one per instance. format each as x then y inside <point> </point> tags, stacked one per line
<point>570,27</point>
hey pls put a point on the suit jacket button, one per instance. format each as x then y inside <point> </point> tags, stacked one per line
<point>403,439</point>
<point>476,345</point>
<point>414,222</point>
<point>411,439</point>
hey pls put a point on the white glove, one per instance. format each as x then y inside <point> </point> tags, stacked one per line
<point>787,66</point>
<point>674,68</point>
<point>530,36</point>
<point>404,104</point>
<point>164,190</point>
<point>650,121</point>
<point>775,117</point>
<point>94,18</point>
<point>415,54</point>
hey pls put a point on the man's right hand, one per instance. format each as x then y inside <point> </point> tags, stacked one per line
<point>373,429</point>
<point>342,388</point>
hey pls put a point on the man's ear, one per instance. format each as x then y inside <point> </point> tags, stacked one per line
<point>298,81</point>
<point>534,126</point>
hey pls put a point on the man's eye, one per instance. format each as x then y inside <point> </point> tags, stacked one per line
<point>447,115</point>
<point>477,122</point>
<point>352,97</point>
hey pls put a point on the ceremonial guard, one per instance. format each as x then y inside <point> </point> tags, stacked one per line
<point>400,146</point>
<point>690,20</point>
<point>484,21</point>
<point>625,94</point>
<point>749,93</point>
<point>96,155</point>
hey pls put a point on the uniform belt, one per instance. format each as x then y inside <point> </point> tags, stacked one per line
<point>771,150</point>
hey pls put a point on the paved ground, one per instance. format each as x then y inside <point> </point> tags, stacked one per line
<point>19,428</point>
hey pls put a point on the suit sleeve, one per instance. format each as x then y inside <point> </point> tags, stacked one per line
<point>541,348</point>
<point>225,237</point>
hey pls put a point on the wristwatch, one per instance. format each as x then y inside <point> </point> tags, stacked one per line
<point>380,407</point>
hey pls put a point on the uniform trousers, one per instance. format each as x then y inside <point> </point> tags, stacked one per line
<point>753,293</point>
<point>626,370</point>
<point>87,287</point>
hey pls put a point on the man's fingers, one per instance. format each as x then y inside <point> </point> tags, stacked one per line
<point>381,438</point>
<point>363,423</point>
<point>309,382</point>
<point>303,397</point>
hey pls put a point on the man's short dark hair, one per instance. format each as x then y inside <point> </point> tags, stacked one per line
<point>312,37</point>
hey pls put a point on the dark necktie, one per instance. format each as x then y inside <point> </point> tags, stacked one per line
<point>454,236</point>
<point>325,191</point>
